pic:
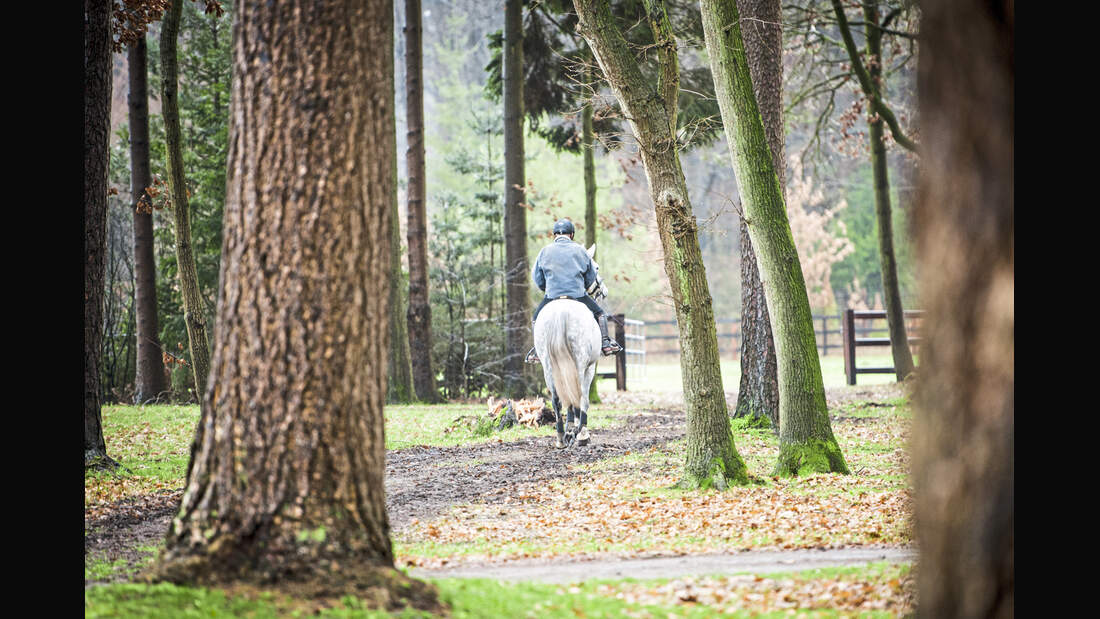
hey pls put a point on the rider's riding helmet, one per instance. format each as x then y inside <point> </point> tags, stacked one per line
<point>564,226</point>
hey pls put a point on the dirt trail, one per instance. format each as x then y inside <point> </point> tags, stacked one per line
<point>750,562</point>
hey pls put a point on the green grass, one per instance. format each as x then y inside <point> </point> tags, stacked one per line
<point>153,442</point>
<point>477,598</point>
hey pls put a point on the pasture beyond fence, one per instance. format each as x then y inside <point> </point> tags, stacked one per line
<point>843,332</point>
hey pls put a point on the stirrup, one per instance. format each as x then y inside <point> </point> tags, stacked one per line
<point>611,347</point>
<point>532,357</point>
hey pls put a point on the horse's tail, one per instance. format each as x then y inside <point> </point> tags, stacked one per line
<point>567,382</point>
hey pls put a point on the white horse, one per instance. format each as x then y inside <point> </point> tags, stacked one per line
<point>568,342</point>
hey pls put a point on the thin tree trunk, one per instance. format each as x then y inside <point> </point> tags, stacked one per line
<point>963,427</point>
<point>420,309</point>
<point>97,125</point>
<point>758,394</point>
<point>588,143</point>
<point>711,456</point>
<point>287,485</point>
<point>895,313</point>
<point>193,311</point>
<point>150,379</point>
<point>517,274</point>
<point>807,444</point>
<point>399,381</point>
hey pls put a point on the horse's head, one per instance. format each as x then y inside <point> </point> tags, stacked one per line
<point>598,290</point>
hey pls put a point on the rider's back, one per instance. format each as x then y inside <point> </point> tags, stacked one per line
<point>564,268</point>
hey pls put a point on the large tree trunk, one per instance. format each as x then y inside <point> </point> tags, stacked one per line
<point>711,455</point>
<point>420,309</point>
<point>193,311</point>
<point>287,484</point>
<point>399,381</point>
<point>758,393</point>
<point>518,318</point>
<point>891,291</point>
<point>150,379</point>
<point>807,444</point>
<point>97,126</point>
<point>963,430</point>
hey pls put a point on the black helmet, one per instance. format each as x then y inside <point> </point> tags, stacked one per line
<point>564,226</point>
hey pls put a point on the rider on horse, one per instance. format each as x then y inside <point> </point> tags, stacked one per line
<point>564,270</point>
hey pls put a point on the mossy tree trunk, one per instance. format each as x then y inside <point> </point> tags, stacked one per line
<point>517,338</point>
<point>870,80</point>
<point>193,311</point>
<point>97,128</point>
<point>758,393</point>
<point>287,483</point>
<point>420,309</point>
<point>963,427</point>
<point>711,456</point>
<point>807,444</point>
<point>150,378</point>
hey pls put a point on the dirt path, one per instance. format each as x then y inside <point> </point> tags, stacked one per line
<point>751,562</point>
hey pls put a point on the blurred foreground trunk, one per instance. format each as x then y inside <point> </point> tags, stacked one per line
<point>963,454</point>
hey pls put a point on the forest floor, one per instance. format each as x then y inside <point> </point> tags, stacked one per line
<point>519,509</point>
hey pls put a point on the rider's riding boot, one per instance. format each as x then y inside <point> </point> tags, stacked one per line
<point>610,346</point>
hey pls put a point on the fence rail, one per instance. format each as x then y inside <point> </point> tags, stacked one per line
<point>852,341</point>
<point>729,338</point>
<point>634,336</point>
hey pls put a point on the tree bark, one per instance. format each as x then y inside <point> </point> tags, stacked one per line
<point>287,484</point>
<point>711,456</point>
<point>588,143</point>
<point>807,444</point>
<point>399,380</point>
<point>150,378</point>
<point>420,309</point>
<point>193,311</point>
<point>895,312</point>
<point>518,316</point>
<point>963,429</point>
<point>758,393</point>
<point>97,127</point>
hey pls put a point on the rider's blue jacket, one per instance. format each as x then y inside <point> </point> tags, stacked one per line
<point>564,268</point>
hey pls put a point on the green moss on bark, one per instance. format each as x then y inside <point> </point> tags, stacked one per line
<point>812,456</point>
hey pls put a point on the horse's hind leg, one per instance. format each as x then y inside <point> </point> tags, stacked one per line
<point>556,404</point>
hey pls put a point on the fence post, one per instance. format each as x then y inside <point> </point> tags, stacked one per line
<point>848,328</point>
<point>620,358</point>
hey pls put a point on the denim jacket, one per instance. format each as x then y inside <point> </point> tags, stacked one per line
<point>564,268</point>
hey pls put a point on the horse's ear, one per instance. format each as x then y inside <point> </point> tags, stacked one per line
<point>591,251</point>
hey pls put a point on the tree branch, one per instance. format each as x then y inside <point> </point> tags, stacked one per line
<point>865,82</point>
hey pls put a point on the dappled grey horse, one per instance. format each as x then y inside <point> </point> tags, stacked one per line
<point>567,340</point>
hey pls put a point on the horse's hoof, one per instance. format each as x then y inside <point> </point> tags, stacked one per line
<point>583,438</point>
<point>558,444</point>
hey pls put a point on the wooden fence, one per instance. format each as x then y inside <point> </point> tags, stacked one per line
<point>631,336</point>
<point>852,341</point>
<point>666,336</point>
<point>854,330</point>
